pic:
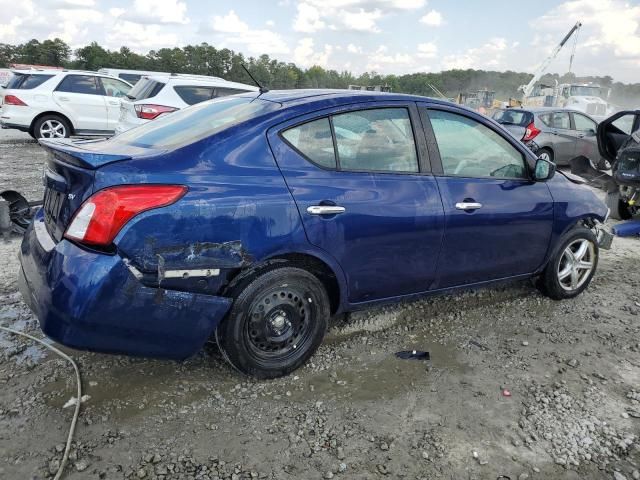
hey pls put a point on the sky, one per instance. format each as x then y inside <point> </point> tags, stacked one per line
<point>386,36</point>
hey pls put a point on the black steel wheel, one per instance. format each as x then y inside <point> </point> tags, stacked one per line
<point>277,321</point>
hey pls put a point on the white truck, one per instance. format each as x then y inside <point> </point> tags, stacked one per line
<point>587,98</point>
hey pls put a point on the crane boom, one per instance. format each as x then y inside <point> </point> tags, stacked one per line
<point>528,88</point>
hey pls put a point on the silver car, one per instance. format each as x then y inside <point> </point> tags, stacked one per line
<point>558,135</point>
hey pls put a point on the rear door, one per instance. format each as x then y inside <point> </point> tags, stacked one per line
<point>114,91</point>
<point>360,178</point>
<point>81,98</point>
<point>562,136</point>
<point>498,222</point>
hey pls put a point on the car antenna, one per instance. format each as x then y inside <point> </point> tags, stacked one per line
<point>262,89</point>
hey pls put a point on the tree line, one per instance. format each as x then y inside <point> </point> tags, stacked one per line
<point>205,59</point>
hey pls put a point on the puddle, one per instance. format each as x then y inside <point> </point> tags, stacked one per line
<point>380,374</point>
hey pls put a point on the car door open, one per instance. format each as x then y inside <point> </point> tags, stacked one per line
<point>498,222</point>
<point>359,178</point>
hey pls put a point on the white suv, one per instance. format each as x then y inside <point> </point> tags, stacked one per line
<point>61,103</point>
<point>157,95</point>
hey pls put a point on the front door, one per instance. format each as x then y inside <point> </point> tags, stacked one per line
<point>80,98</point>
<point>360,179</point>
<point>498,222</point>
<point>113,91</point>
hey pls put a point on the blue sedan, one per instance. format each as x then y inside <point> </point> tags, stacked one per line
<point>255,218</point>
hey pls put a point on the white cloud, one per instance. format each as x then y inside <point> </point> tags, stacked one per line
<point>234,32</point>
<point>427,50</point>
<point>270,23</point>
<point>433,19</point>
<point>140,37</point>
<point>159,12</point>
<point>305,55</point>
<point>348,15</point>
<point>308,19</point>
<point>230,23</point>
<point>490,55</point>
<point>351,48</point>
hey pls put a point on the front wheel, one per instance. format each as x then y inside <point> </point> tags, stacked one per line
<point>276,323</point>
<point>572,266</point>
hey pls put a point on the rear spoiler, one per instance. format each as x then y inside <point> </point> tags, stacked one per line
<point>71,152</point>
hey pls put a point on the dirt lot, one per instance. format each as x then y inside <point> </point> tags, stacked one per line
<point>355,412</point>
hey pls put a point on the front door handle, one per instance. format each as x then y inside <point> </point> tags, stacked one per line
<point>64,99</point>
<point>468,205</point>
<point>325,210</point>
<point>114,103</point>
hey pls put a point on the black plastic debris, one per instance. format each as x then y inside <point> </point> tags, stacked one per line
<point>413,355</point>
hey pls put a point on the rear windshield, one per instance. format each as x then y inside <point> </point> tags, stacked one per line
<point>513,117</point>
<point>21,81</point>
<point>195,123</point>
<point>132,78</point>
<point>145,88</point>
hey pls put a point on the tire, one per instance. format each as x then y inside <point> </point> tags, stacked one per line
<point>277,321</point>
<point>551,282</point>
<point>545,151</point>
<point>51,126</point>
<point>619,208</point>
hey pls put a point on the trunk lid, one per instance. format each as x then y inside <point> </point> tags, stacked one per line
<point>69,174</point>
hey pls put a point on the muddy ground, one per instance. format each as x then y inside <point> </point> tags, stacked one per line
<point>355,411</point>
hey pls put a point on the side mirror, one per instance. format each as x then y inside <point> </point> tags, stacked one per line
<point>544,170</point>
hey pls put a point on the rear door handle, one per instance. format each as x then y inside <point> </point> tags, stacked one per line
<point>114,103</point>
<point>468,205</point>
<point>63,99</point>
<point>325,210</point>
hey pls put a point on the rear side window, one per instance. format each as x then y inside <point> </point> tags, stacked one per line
<point>193,94</point>
<point>145,88</point>
<point>79,84</point>
<point>313,140</point>
<point>27,82</point>
<point>195,123</point>
<point>470,149</point>
<point>556,120</point>
<point>223,92</point>
<point>375,140</point>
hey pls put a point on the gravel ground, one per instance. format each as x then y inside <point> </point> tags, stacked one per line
<point>518,385</point>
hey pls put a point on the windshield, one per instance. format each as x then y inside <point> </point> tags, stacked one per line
<point>585,91</point>
<point>195,123</point>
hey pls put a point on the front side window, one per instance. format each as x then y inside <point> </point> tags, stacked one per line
<point>114,88</point>
<point>583,123</point>
<point>79,84</point>
<point>470,149</point>
<point>313,140</point>
<point>193,94</point>
<point>376,140</point>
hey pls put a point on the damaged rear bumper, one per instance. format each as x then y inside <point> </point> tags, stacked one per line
<point>92,301</point>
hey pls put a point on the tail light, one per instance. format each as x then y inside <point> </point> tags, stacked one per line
<point>13,100</point>
<point>103,215</point>
<point>530,133</point>
<point>149,112</point>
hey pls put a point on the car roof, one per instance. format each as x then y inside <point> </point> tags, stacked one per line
<point>200,80</point>
<point>544,110</point>
<point>303,96</point>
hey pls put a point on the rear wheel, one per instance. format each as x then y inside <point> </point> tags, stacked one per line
<point>52,126</point>
<point>620,210</point>
<point>545,154</point>
<point>276,323</point>
<point>572,266</point>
